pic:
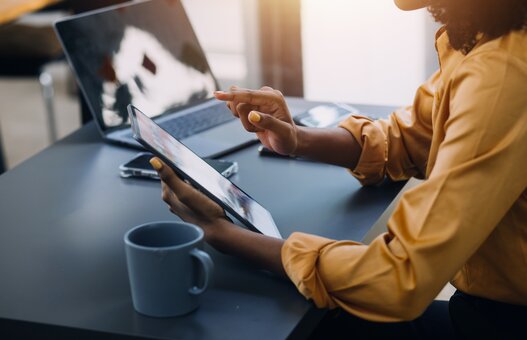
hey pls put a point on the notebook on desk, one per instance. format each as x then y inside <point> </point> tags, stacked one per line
<point>147,54</point>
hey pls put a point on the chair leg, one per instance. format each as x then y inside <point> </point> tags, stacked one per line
<point>46,84</point>
<point>2,161</point>
<point>2,165</point>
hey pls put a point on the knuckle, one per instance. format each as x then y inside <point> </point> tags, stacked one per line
<point>244,108</point>
<point>247,126</point>
<point>166,193</point>
<point>163,174</point>
<point>278,94</point>
<point>278,97</point>
<point>250,94</point>
<point>232,109</point>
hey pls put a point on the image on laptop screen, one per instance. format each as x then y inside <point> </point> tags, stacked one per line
<point>146,54</point>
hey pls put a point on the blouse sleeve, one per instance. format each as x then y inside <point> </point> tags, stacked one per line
<point>398,146</point>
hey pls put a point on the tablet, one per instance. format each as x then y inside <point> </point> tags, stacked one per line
<point>200,174</point>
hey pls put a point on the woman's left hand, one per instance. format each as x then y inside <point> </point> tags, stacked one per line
<point>188,203</point>
<point>194,207</point>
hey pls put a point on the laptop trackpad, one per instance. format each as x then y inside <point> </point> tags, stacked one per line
<point>219,140</point>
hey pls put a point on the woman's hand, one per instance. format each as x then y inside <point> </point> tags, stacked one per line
<point>188,203</point>
<point>265,112</point>
<point>194,207</point>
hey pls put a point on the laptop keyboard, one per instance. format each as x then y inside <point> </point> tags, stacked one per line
<point>195,122</point>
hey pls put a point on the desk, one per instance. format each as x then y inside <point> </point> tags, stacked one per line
<point>64,212</point>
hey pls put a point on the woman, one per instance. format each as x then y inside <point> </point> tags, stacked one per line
<point>466,134</point>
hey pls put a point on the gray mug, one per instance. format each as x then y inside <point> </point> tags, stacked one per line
<point>164,259</point>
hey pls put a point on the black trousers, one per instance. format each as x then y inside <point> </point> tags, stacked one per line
<point>463,317</point>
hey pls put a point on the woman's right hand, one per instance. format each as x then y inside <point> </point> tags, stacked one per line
<point>264,112</point>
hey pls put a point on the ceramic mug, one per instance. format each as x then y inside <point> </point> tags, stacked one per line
<point>164,260</point>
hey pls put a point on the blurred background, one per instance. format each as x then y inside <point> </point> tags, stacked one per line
<point>358,51</point>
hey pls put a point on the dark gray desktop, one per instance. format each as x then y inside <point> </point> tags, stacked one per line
<point>63,214</point>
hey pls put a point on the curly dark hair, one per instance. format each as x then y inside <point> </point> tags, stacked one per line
<point>464,19</point>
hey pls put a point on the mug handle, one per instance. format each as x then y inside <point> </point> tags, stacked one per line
<point>208,266</point>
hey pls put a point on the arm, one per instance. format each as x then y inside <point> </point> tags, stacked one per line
<point>262,250</point>
<point>334,146</point>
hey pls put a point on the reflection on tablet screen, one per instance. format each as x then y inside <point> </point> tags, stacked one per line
<point>192,165</point>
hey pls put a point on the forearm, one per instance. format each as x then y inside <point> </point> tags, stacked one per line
<point>332,145</point>
<point>264,251</point>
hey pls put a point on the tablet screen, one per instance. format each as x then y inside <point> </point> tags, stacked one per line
<point>234,200</point>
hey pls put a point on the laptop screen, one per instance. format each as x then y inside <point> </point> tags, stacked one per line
<point>145,54</point>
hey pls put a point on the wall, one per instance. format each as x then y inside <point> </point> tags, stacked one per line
<point>365,51</point>
<point>227,30</point>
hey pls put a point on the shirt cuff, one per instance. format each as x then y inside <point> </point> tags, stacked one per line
<point>300,254</point>
<point>371,167</point>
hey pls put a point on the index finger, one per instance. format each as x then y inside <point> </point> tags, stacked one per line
<point>253,97</point>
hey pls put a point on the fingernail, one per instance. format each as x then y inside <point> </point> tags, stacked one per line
<point>156,164</point>
<point>254,117</point>
<point>219,92</point>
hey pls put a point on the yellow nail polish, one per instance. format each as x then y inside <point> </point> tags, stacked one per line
<point>254,117</point>
<point>156,164</point>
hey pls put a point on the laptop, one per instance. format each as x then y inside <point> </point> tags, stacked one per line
<point>147,54</point>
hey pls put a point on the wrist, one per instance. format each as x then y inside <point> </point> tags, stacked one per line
<point>301,138</point>
<point>217,231</point>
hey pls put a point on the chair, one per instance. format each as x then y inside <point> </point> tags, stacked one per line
<point>21,56</point>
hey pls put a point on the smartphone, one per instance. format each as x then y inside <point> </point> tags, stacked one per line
<point>264,151</point>
<point>139,166</point>
<point>326,115</point>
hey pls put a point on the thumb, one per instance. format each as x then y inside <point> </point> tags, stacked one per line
<point>268,122</point>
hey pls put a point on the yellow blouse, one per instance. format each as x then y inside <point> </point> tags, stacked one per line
<point>466,133</point>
